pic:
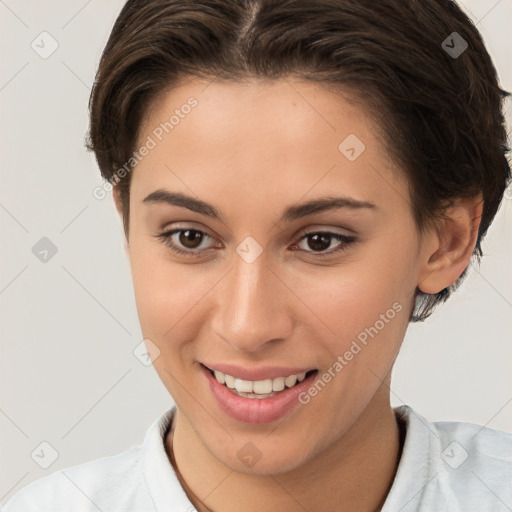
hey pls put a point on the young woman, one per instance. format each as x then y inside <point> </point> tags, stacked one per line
<point>298,181</point>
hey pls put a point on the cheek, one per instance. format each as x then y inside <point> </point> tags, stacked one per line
<point>168,299</point>
<point>165,294</point>
<point>366,300</point>
<point>353,298</point>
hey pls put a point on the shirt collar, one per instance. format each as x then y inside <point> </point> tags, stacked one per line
<point>414,471</point>
<point>405,493</point>
<point>163,484</point>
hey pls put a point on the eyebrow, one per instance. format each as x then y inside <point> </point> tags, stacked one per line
<point>293,212</point>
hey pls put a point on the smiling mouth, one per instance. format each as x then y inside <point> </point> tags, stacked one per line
<point>266,388</point>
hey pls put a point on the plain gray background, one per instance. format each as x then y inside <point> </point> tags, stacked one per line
<point>69,325</point>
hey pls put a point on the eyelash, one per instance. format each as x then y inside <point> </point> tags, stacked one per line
<point>345,239</point>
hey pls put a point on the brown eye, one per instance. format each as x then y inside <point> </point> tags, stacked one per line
<point>319,241</point>
<point>190,238</point>
<point>186,242</point>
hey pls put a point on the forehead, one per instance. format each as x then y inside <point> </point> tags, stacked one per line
<point>225,139</point>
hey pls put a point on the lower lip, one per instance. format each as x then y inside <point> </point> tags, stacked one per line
<point>256,411</point>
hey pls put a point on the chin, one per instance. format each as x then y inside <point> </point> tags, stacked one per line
<point>262,457</point>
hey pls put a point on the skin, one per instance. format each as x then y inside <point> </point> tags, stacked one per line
<point>251,150</point>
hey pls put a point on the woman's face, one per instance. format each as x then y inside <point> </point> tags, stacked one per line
<point>300,253</point>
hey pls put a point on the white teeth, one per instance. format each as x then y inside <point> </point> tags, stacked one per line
<point>278,384</point>
<point>230,381</point>
<point>262,387</point>
<point>290,381</point>
<point>243,386</point>
<point>259,387</point>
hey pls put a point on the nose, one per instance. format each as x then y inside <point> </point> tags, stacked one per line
<point>252,307</point>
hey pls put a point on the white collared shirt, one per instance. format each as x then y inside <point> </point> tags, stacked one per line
<point>444,467</point>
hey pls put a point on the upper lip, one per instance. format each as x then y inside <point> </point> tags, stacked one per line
<point>260,373</point>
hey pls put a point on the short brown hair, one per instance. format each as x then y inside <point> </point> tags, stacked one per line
<point>441,114</point>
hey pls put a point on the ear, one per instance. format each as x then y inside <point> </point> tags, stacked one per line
<point>448,247</point>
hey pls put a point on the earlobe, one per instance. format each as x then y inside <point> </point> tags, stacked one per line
<point>448,248</point>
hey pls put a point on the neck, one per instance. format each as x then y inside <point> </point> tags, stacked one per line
<point>354,473</point>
